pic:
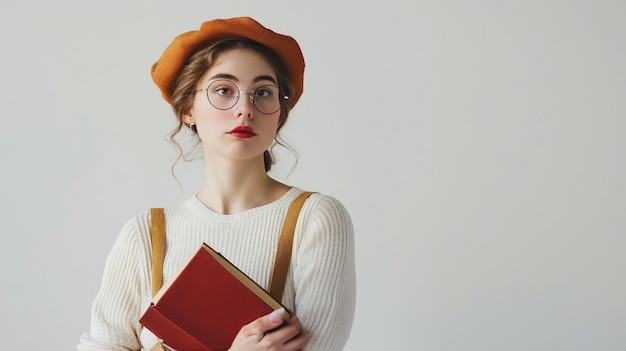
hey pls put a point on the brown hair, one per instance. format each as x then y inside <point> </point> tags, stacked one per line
<point>197,65</point>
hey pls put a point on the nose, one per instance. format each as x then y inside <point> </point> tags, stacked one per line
<point>245,106</point>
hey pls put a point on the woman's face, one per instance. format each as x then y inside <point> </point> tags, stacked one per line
<point>241,132</point>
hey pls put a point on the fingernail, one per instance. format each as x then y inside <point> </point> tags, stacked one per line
<point>277,315</point>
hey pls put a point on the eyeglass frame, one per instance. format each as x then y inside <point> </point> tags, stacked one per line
<point>250,94</point>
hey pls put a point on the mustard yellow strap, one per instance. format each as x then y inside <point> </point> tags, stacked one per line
<point>283,251</point>
<point>285,244</point>
<point>157,237</point>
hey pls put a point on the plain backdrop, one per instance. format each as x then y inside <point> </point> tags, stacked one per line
<point>478,145</point>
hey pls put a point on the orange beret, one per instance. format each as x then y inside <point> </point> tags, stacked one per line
<point>166,69</point>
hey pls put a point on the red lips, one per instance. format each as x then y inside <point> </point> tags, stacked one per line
<point>243,132</point>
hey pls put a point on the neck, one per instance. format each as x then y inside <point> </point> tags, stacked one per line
<point>233,186</point>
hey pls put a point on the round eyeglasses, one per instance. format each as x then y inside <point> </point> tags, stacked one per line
<point>223,94</point>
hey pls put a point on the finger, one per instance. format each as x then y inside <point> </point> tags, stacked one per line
<point>301,340</point>
<point>290,331</point>
<point>262,325</point>
<point>298,342</point>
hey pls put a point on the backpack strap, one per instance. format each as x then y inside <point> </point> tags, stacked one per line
<point>285,245</point>
<point>157,238</point>
<point>281,261</point>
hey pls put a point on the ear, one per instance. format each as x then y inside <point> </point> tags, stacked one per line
<point>188,118</point>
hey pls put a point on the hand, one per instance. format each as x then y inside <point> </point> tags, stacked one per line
<point>264,334</point>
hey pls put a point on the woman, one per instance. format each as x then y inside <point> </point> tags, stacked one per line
<point>232,84</point>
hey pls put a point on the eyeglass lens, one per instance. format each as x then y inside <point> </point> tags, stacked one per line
<point>224,94</point>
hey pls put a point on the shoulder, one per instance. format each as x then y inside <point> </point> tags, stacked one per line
<point>139,225</point>
<point>136,230</point>
<point>324,233</point>
<point>327,212</point>
<point>325,204</point>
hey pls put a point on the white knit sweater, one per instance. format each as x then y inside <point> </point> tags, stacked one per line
<point>320,288</point>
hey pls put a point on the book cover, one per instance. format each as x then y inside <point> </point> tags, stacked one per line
<point>206,304</point>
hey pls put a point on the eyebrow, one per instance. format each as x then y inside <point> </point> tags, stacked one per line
<point>234,79</point>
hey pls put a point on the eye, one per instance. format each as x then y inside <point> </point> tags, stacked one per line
<point>264,92</point>
<point>224,90</point>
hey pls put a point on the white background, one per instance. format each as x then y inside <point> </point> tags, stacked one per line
<point>479,146</point>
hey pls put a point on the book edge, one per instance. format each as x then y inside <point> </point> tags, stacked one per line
<point>155,309</point>
<point>248,282</point>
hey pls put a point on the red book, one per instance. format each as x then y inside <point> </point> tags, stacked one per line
<point>204,307</point>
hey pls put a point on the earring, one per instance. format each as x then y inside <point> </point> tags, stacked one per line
<point>190,126</point>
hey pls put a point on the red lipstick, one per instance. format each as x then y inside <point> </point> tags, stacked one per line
<point>243,132</point>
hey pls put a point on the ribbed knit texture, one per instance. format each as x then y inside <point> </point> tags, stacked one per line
<point>320,288</point>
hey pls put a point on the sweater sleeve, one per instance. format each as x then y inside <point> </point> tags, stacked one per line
<point>324,273</point>
<point>117,306</point>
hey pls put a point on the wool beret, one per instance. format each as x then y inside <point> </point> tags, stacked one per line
<point>165,70</point>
